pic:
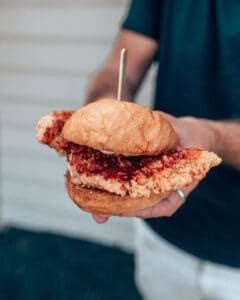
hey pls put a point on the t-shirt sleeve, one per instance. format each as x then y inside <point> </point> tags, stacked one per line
<point>144,17</point>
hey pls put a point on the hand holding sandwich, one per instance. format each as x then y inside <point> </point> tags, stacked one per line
<point>221,137</point>
<point>123,157</point>
<point>190,132</point>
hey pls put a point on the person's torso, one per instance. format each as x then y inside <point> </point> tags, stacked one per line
<point>199,75</point>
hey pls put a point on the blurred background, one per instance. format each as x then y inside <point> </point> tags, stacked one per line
<point>48,51</point>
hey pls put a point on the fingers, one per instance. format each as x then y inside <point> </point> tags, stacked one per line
<point>165,208</point>
<point>100,219</point>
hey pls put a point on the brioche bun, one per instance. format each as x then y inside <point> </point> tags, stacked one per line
<point>120,127</point>
<point>102,202</point>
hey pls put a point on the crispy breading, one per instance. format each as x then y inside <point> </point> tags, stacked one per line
<point>121,175</point>
<point>183,172</point>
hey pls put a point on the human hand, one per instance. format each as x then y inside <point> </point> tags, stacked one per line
<point>190,132</point>
<point>193,132</point>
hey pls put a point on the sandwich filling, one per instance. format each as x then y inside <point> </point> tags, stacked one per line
<point>135,176</point>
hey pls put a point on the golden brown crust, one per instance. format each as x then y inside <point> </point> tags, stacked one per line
<point>101,202</point>
<point>168,172</point>
<point>120,127</point>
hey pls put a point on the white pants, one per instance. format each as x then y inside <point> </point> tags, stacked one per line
<point>163,272</point>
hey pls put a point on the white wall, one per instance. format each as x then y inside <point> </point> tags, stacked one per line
<point>48,49</point>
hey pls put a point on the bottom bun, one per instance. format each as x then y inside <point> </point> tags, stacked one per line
<point>101,202</point>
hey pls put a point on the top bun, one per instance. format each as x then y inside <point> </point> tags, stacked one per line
<point>120,127</point>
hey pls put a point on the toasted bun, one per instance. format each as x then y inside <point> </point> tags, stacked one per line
<point>120,127</point>
<point>101,202</point>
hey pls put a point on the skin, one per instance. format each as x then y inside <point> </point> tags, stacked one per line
<point>221,137</point>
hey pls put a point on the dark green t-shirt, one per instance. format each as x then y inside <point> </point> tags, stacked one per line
<point>198,75</point>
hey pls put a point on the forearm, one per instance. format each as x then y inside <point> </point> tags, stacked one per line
<point>141,53</point>
<point>227,141</point>
<point>105,84</point>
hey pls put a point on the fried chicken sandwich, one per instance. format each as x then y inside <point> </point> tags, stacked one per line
<point>121,156</point>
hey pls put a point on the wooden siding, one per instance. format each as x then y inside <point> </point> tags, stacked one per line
<point>48,50</point>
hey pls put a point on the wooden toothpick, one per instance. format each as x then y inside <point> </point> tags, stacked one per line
<point>122,71</point>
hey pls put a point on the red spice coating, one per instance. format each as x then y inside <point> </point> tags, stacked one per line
<point>121,168</point>
<point>53,131</point>
<point>59,119</point>
<point>92,162</point>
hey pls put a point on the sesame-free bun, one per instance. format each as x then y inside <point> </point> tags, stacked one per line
<point>120,127</point>
<point>102,202</point>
